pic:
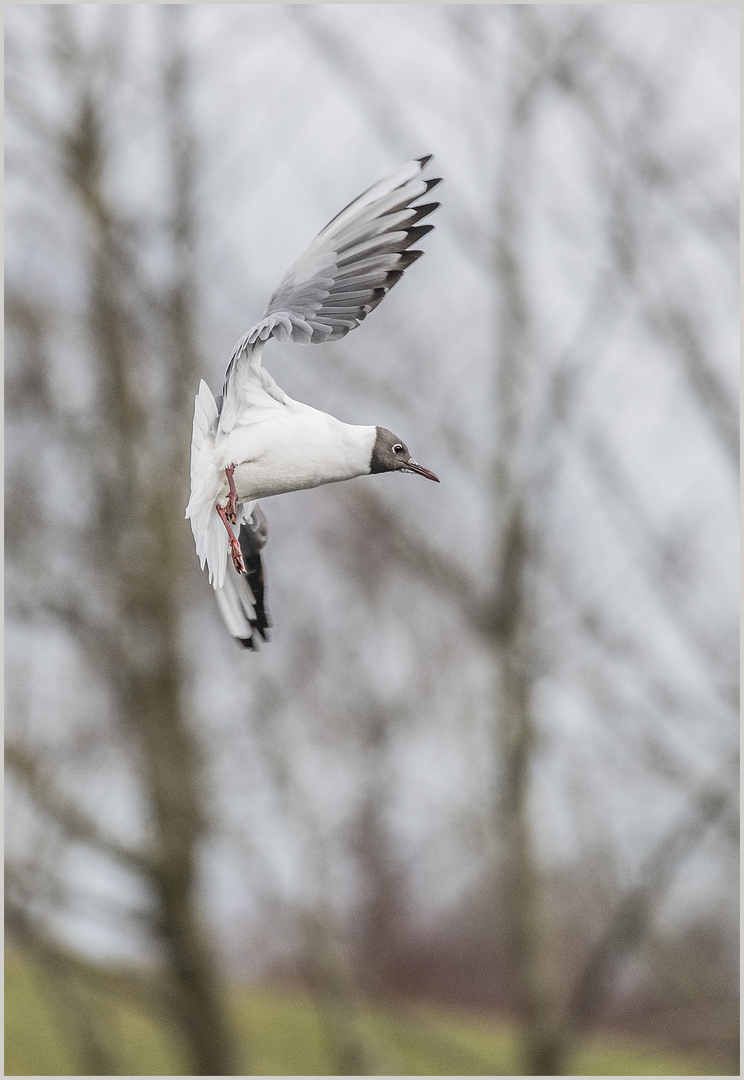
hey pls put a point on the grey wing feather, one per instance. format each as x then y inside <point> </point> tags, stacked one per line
<point>350,266</point>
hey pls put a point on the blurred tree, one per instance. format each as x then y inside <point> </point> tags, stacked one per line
<point>122,603</point>
<point>534,424</point>
<point>521,703</point>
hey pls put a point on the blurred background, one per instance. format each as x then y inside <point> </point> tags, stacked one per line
<point>474,809</point>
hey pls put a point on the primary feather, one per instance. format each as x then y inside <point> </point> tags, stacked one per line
<point>348,268</point>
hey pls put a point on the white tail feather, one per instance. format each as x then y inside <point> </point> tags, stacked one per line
<point>210,534</point>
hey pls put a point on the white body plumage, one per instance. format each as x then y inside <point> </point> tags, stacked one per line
<point>300,448</point>
<point>261,439</point>
<point>283,447</point>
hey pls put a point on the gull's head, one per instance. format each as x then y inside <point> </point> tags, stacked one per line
<point>390,454</point>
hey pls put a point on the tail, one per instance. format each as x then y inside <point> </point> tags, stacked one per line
<point>206,485</point>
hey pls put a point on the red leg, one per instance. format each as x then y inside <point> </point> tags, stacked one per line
<point>232,498</point>
<point>237,555</point>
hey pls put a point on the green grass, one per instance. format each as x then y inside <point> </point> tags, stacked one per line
<point>280,1033</point>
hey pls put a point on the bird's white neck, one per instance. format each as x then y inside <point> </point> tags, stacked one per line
<point>358,442</point>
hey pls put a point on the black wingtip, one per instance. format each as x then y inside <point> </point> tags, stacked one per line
<point>424,161</point>
<point>432,183</point>
<point>259,632</point>
<point>414,235</point>
<point>378,295</point>
<point>405,259</point>
<point>422,211</point>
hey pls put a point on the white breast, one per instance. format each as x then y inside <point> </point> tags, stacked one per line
<point>298,447</point>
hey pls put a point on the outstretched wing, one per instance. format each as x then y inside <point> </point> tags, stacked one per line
<point>348,268</point>
<point>242,597</point>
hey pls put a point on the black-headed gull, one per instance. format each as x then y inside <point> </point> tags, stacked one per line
<point>254,440</point>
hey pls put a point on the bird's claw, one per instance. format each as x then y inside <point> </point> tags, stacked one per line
<point>237,556</point>
<point>235,552</point>
<point>231,506</point>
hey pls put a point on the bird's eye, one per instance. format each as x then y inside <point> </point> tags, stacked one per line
<point>398,449</point>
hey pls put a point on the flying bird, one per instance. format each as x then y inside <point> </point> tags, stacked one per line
<point>254,441</point>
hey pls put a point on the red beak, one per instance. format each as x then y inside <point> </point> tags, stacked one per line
<point>413,466</point>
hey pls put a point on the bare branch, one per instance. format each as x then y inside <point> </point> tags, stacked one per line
<point>41,785</point>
